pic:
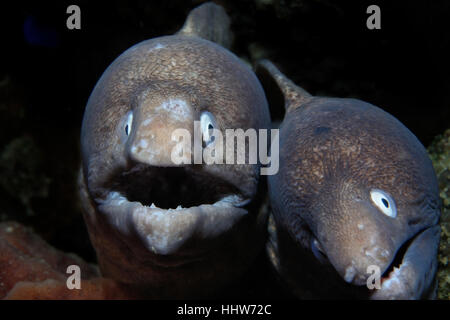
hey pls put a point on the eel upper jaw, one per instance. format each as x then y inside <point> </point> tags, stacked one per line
<point>165,229</point>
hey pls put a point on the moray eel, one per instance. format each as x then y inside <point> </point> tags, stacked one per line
<point>172,230</point>
<point>355,200</point>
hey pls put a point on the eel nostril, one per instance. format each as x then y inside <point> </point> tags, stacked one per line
<point>318,251</point>
<point>414,221</point>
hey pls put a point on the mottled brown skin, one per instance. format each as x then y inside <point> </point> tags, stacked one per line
<point>206,75</point>
<point>333,152</point>
<point>195,254</point>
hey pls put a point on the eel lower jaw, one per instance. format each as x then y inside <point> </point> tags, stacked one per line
<point>412,272</point>
<point>164,231</point>
<point>171,210</point>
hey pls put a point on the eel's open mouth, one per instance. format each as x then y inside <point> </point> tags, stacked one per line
<point>410,274</point>
<point>172,187</point>
<point>166,207</point>
<point>398,261</point>
<point>412,271</point>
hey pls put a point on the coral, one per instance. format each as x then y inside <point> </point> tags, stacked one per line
<point>440,155</point>
<point>32,269</point>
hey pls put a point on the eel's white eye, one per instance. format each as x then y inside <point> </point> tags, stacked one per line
<point>128,123</point>
<point>384,202</point>
<point>207,124</point>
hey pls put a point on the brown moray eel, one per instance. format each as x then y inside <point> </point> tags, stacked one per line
<point>171,230</point>
<point>355,188</point>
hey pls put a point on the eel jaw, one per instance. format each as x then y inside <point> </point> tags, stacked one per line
<point>163,231</point>
<point>414,277</point>
<point>411,275</point>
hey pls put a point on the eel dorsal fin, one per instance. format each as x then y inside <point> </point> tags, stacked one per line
<point>209,21</point>
<point>294,96</point>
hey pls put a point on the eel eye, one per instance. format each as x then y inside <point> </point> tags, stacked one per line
<point>207,124</point>
<point>384,202</point>
<point>128,123</point>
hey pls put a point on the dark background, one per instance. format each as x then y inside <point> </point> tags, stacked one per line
<point>47,73</point>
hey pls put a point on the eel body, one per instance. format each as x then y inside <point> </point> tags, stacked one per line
<point>172,229</point>
<point>355,199</point>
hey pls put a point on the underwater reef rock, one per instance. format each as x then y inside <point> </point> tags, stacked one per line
<point>440,155</point>
<point>32,269</point>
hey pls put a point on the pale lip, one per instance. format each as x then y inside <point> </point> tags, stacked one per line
<point>164,231</point>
